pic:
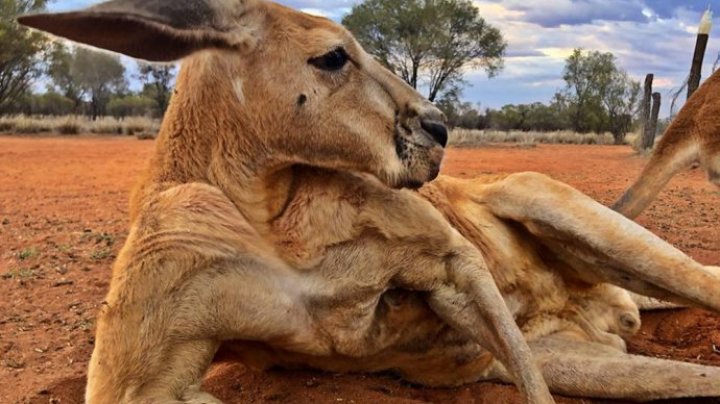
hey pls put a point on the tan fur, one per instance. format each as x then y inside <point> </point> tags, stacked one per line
<point>567,316</point>
<point>271,219</point>
<point>693,137</point>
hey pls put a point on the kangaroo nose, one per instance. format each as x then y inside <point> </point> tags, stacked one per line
<point>436,129</point>
<point>432,120</point>
<point>629,323</point>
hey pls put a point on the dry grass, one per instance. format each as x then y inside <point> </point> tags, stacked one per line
<point>633,139</point>
<point>73,125</point>
<point>146,128</point>
<point>467,138</point>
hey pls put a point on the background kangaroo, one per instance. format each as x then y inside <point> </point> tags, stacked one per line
<point>693,136</point>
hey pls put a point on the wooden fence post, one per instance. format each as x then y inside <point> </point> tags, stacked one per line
<point>649,140</point>
<point>699,56</point>
<point>646,106</point>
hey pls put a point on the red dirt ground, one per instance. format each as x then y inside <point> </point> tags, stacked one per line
<point>63,217</point>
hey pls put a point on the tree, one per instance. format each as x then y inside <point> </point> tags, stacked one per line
<point>100,75</point>
<point>461,114</point>
<point>59,70</point>
<point>587,75</point>
<point>599,95</point>
<point>158,81</point>
<point>19,50</point>
<point>621,102</point>
<point>544,118</point>
<point>81,74</point>
<point>428,42</point>
<point>510,117</point>
<point>50,103</point>
<point>131,105</point>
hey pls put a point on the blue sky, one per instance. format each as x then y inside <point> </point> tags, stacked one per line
<point>647,36</point>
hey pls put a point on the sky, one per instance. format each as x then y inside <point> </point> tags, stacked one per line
<point>646,36</point>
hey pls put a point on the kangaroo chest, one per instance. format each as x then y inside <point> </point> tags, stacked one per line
<point>327,234</point>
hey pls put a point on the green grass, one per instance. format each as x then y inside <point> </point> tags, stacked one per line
<point>27,254</point>
<point>20,274</point>
<point>99,238</point>
<point>101,254</point>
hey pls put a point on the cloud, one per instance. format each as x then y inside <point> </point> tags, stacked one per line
<point>646,37</point>
<point>524,53</point>
<point>333,9</point>
<point>553,13</point>
<point>668,8</point>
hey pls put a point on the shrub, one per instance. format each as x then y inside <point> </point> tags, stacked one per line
<point>69,126</point>
<point>73,125</point>
<point>138,125</point>
<point>105,126</point>
<point>466,137</point>
<point>132,105</point>
<point>51,104</point>
<point>145,136</point>
<point>6,125</point>
<point>28,126</point>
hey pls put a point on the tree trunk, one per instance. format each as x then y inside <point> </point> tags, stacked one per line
<point>578,118</point>
<point>619,137</point>
<point>415,73</point>
<point>652,125</point>
<point>94,108</point>
<point>620,127</point>
<point>696,68</point>
<point>647,137</point>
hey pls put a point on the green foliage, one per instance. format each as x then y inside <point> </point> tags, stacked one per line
<point>19,50</point>
<point>621,102</point>
<point>461,114</point>
<point>59,70</point>
<point>599,97</point>
<point>22,274</point>
<point>50,103</point>
<point>86,74</point>
<point>598,94</point>
<point>27,254</point>
<point>158,80</point>
<point>428,41</point>
<point>131,105</point>
<point>95,82</point>
<point>100,75</point>
<point>101,254</point>
<point>528,117</point>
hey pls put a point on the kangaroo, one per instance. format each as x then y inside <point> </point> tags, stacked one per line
<point>693,137</point>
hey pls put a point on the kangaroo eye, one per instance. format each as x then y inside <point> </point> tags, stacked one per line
<point>331,61</point>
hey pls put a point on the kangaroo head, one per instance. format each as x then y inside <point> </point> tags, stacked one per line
<point>297,89</point>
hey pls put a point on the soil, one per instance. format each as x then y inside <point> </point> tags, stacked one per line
<point>63,218</point>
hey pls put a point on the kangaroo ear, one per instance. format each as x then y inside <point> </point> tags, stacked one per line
<point>154,30</point>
